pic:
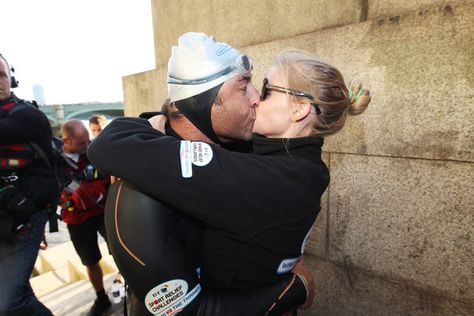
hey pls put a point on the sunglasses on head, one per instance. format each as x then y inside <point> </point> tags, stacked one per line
<point>266,86</point>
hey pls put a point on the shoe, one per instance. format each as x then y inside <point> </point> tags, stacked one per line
<point>100,305</point>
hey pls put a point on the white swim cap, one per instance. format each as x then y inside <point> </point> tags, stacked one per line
<point>199,63</point>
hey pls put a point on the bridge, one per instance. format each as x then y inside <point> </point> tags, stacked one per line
<point>58,114</point>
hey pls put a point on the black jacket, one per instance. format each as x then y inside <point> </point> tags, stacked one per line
<point>260,206</point>
<point>26,125</point>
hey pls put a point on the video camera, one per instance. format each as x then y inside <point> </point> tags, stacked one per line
<point>15,210</point>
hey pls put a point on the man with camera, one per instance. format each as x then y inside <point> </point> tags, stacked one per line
<point>27,185</point>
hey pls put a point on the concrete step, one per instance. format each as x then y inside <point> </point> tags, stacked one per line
<point>50,281</point>
<point>55,258</point>
<point>76,299</point>
<point>64,255</point>
<point>60,280</point>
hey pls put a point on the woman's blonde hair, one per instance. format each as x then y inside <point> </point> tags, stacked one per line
<point>304,72</point>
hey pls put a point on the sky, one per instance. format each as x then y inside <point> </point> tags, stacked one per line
<point>77,50</point>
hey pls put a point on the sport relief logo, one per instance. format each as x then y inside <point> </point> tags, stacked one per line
<point>170,297</point>
<point>163,297</point>
<point>201,153</point>
<point>193,153</point>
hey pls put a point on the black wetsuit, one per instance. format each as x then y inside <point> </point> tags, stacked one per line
<point>258,208</point>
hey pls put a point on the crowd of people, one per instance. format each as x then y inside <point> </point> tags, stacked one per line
<point>216,195</point>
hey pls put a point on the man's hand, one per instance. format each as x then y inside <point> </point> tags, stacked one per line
<point>44,243</point>
<point>158,122</point>
<point>307,277</point>
<point>114,179</point>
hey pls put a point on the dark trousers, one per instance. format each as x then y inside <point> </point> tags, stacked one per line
<point>17,260</point>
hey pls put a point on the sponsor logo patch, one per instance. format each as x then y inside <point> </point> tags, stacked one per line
<point>201,153</point>
<point>185,159</point>
<point>170,297</point>
<point>287,265</point>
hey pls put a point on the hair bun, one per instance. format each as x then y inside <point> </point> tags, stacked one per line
<point>359,97</point>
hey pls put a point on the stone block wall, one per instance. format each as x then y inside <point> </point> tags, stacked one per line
<point>246,22</point>
<point>395,235</point>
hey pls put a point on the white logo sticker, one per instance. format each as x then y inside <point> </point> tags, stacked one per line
<point>185,159</point>
<point>170,297</point>
<point>188,298</point>
<point>201,153</point>
<point>287,265</point>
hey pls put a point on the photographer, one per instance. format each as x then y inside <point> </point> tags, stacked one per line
<point>26,186</point>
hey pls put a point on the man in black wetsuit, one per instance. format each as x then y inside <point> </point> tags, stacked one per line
<point>212,100</point>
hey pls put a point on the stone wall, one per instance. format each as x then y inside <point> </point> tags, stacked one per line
<point>395,233</point>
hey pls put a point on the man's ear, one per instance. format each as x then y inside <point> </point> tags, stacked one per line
<point>300,111</point>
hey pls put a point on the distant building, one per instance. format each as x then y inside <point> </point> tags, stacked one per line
<point>38,94</point>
